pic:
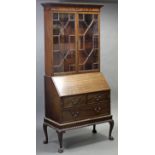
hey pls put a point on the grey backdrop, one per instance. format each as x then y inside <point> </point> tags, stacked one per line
<point>79,141</point>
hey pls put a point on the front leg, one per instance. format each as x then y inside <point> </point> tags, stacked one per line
<point>111,122</point>
<point>60,138</point>
<point>94,129</point>
<point>45,133</point>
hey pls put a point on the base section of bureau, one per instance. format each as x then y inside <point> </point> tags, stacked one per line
<point>62,128</point>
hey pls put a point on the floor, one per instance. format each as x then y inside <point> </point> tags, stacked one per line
<point>79,141</point>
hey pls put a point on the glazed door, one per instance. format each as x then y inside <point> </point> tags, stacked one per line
<point>75,42</point>
<point>64,42</point>
<point>88,42</point>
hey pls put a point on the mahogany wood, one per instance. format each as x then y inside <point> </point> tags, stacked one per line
<point>80,83</point>
<point>80,98</point>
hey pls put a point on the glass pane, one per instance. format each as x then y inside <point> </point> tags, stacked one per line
<point>95,17</point>
<point>88,45</point>
<point>55,16</point>
<point>71,16</point>
<point>72,42</point>
<point>88,19</point>
<point>63,42</point>
<point>95,40</point>
<point>56,40</point>
<point>81,17</point>
<point>81,41</point>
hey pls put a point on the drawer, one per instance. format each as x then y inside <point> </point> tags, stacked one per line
<point>99,98</point>
<point>86,112</point>
<point>72,101</point>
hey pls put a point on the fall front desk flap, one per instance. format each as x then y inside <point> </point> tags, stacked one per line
<point>80,83</point>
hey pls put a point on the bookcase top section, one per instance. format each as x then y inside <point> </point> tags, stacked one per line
<point>80,83</point>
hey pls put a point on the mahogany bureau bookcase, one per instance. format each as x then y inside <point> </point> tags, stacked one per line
<point>76,92</point>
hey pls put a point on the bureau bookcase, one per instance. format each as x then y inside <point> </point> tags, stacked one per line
<point>76,92</point>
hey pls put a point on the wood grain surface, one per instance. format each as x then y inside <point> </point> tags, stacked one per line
<point>80,83</point>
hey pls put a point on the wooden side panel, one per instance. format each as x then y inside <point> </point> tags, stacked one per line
<point>52,101</point>
<point>48,41</point>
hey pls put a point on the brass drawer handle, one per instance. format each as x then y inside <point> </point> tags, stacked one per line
<point>97,109</point>
<point>75,114</point>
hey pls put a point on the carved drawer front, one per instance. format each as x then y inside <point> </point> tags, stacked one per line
<point>72,101</point>
<point>99,98</point>
<point>86,112</point>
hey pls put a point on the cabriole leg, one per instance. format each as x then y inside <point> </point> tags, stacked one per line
<point>60,138</point>
<point>45,133</point>
<point>94,129</point>
<point>110,130</point>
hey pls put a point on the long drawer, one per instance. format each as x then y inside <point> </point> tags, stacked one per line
<point>85,112</point>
